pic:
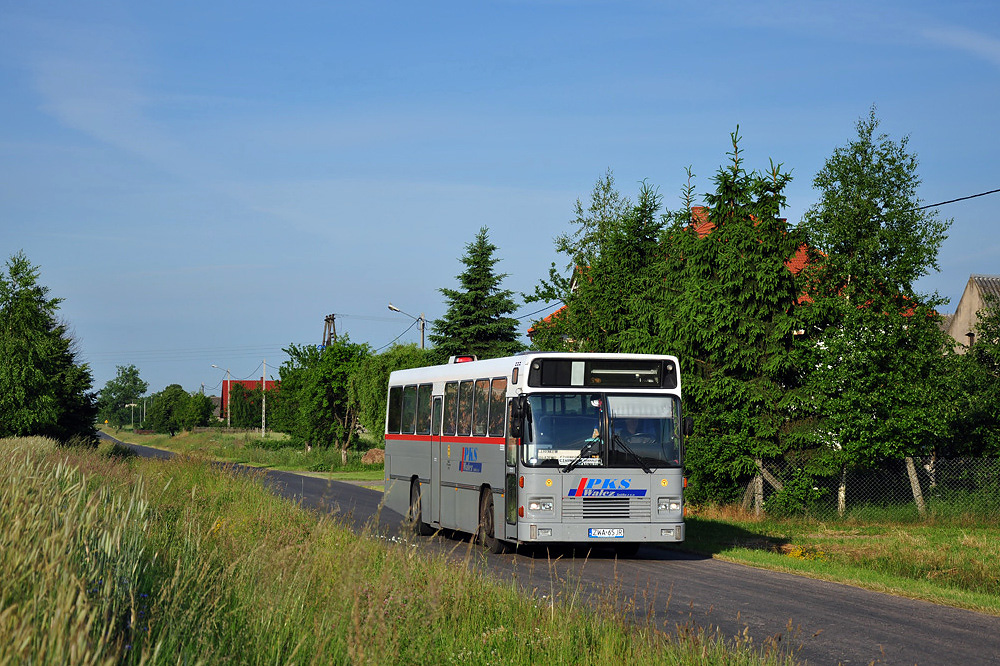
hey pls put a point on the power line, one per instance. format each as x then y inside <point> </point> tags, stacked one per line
<point>971,196</point>
<point>397,337</point>
<point>186,353</point>
<point>531,314</point>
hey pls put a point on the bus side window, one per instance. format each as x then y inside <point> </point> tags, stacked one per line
<point>395,406</point>
<point>498,399</point>
<point>450,407</point>
<point>481,411</point>
<point>424,409</point>
<point>409,410</point>
<point>436,415</point>
<point>465,409</point>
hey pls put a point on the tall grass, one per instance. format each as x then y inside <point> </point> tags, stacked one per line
<point>71,558</point>
<point>107,560</point>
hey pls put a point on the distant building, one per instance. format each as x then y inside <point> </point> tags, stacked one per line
<point>248,384</point>
<point>216,406</point>
<point>962,325</point>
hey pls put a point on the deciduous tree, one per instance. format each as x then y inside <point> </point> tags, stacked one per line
<point>869,223</point>
<point>125,389</point>
<point>196,411</point>
<point>879,360</point>
<point>612,292</point>
<point>315,383</point>
<point>166,410</point>
<point>369,383</point>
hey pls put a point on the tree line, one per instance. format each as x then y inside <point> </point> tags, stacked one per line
<point>805,342</point>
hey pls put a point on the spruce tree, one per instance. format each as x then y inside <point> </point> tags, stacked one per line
<point>478,318</point>
<point>730,312</point>
<point>43,389</point>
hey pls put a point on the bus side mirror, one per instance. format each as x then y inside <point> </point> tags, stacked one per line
<point>688,426</point>
<point>515,425</point>
<point>516,417</point>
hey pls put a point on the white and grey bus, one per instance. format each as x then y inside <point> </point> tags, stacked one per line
<point>540,448</point>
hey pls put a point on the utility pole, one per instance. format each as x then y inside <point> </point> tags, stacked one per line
<point>263,402</point>
<point>329,330</point>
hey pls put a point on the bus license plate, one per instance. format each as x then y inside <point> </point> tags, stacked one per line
<point>606,533</point>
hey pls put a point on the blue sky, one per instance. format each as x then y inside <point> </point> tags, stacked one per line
<point>203,182</point>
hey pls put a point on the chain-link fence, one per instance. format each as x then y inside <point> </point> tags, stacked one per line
<point>907,489</point>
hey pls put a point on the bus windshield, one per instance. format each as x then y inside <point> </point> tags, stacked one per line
<point>602,430</point>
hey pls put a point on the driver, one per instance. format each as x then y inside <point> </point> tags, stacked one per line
<point>628,429</point>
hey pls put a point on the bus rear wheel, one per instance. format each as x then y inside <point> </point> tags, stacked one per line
<point>487,534</point>
<point>415,518</point>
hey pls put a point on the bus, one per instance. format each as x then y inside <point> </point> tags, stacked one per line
<point>540,448</point>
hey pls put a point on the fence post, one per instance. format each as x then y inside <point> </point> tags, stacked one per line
<point>918,496</point>
<point>842,493</point>
<point>758,489</point>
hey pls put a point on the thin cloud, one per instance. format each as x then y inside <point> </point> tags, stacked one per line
<point>962,39</point>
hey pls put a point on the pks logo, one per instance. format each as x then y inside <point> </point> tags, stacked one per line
<point>606,488</point>
<point>469,460</point>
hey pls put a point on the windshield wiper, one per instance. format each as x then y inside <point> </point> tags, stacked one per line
<point>632,453</point>
<point>584,452</point>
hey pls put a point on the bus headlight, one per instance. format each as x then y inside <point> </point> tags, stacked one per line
<point>668,504</point>
<point>540,504</point>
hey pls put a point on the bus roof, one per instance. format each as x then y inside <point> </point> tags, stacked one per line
<point>503,367</point>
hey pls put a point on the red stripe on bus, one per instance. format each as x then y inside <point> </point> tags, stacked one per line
<point>447,439</point>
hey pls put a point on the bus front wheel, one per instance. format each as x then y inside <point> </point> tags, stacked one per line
<point>415,516</point>
<point>487,534</point>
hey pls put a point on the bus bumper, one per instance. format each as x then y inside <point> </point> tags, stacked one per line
<point>539,532</point>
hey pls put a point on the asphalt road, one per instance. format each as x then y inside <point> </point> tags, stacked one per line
<point>819,622</point>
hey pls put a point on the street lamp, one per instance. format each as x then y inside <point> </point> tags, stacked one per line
<point>228,391</point>
<point>133,406</point>
<point>420,320</point>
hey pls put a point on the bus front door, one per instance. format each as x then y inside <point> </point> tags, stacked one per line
<point>434,515</point>
<point>511,454</point>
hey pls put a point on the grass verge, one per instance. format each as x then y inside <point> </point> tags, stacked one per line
<point>251,449</point>
<point>110,559</point>
<point>954,561</point>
